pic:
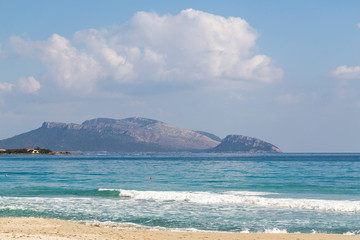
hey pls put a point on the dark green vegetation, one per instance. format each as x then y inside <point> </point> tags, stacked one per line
<point>27,151</point>
<point>131,135</point>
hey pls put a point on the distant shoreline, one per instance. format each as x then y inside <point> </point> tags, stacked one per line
<point>31,151</point>
<point>34,154</point>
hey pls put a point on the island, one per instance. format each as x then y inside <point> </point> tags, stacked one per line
<point>132,135</point>
<point>37,150</point>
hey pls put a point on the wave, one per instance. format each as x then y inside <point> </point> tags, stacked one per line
<point>11,208</point>
<point>134,226</point>
<point>356,232</point>
<point>260,199</point>
<point>128,225</point>
<point>275,230</point>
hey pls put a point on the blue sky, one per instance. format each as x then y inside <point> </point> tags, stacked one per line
<point>287,72</point>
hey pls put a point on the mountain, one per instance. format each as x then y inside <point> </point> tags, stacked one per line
<point>130,135</point>
<point>239,143</point>
<point>103,134</point>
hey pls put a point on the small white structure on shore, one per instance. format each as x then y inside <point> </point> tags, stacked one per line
<point>33,151</point>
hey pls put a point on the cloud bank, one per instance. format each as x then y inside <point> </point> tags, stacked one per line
<point>193,48</point>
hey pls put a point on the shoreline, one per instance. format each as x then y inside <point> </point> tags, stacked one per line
<point>38,154</point>
<point>51,229</point>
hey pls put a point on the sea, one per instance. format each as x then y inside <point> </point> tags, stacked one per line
<point>249,193</point>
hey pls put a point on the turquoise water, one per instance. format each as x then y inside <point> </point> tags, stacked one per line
<point>192,192</point>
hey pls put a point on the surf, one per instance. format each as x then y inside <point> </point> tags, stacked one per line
<point>245,198</point>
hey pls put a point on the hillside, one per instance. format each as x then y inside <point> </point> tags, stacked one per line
<point>244,144</point>
<point>130,135</point>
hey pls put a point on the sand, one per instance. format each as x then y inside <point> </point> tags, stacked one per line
<point>50,229</point>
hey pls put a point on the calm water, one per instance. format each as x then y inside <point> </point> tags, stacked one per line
<point>212,192</point>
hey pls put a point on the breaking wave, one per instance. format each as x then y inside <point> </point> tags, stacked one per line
<point>260,199</point>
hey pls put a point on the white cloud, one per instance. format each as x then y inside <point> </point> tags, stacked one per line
<point>6,87</point>
<point>191,47</point>
<point>345,72</point>
<point>70,67</point>
<point>110,62</point>
<point>29,85</point>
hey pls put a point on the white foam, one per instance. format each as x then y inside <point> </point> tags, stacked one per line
<point>128,225</point>
<point>110,224</point>
<point>248,193</point>
<point>117,225</point>
<point>357,232</point>
<point>275,230</point>
<point>108,189</point>
<point>242,198</point>
<point>11,208</point>
<point>194,197</point>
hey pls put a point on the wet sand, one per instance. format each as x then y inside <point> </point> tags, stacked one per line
<point>50,229</point>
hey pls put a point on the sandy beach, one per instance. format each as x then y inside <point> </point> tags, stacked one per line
<point>50,229</point>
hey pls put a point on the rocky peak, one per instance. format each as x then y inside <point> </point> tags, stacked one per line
<point>141,122</point>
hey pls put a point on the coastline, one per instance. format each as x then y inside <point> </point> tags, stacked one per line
<point>38,154</point>
<point>51,229</point>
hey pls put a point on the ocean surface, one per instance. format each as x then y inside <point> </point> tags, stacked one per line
<point>306,193</point>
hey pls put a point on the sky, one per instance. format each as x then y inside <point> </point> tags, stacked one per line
<point>286,72</point>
